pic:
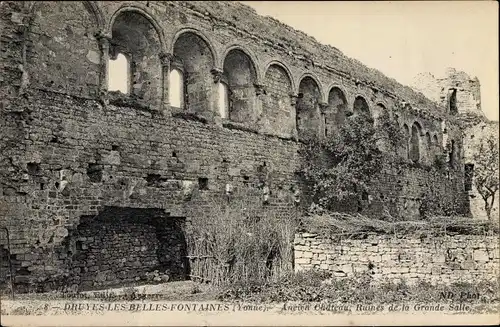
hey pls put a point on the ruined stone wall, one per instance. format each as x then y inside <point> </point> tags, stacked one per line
<point>474,136</point>
<point>476,127</point>
<point>70,148</point>
<point>437,259</point>
<point>440,89</point>
<point>118,156</point>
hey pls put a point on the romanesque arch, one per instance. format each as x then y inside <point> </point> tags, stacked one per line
<point>241,77</point>
<point>194,58</point>
<point>277,112</point>
<point>97,12</point>
<point>415,147</point>
<point>307,117</point>
<point>134,37</point>
<point>379,111</point>
<point>65,55</point>
<point>360,106</point>
<point>335,114</point>
<point>143,11</point>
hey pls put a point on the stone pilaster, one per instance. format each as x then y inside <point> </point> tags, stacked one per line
<point>104,44</point>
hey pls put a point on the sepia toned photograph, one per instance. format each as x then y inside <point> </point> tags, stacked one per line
<point>249,163</point>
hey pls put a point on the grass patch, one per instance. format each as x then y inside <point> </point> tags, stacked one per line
<point>316,286</point>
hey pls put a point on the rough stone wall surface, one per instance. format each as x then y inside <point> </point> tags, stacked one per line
<point>474,135</point>
<point>115,252</point>
<point>70,148</point>
<point>50,36</point>
<point>476,127</point>
<point>115,156</point>
<point>437,260</point>
<point>437,88</point>
<point>278,114</point>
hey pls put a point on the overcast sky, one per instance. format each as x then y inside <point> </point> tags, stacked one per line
<point>402,39</point>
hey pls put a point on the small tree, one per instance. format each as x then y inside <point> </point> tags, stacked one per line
<point>486,171</point>
<point>344,166</point>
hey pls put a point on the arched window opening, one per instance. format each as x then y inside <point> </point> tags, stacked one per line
<point>197,62</point>
<point>361,107</point>
<point>241,78</point>
<point>119,74</point>
<point>415,143</point>
<point>452,101</point>
<point>277,111</point>
<point>223,105</point>
<point>335,114</point>
<point>176,90</point>
<point>134,35</point>
<point>307,117</point>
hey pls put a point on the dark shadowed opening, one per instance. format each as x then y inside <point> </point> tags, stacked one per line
<point>452,105</point>
<point>361,106</point>
<point>121,246</point>
<point>415,143</point>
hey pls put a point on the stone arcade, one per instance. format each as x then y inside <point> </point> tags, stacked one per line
<point>99,186</point>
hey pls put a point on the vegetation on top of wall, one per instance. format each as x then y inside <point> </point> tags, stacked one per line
<point>330,224</point>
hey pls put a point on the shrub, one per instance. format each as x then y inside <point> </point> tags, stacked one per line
<point>240,241</point>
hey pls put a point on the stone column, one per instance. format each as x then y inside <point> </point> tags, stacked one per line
<point>323,107</point>
<point>165,60</point>
<point>104,44</point>
<point>217,75</point>
<point>260,90</point>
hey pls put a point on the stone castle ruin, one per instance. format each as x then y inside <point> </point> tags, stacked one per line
<point>101,185</point>
<point>462,95</point>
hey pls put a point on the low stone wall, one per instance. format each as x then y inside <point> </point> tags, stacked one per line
<point>438,260</point>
